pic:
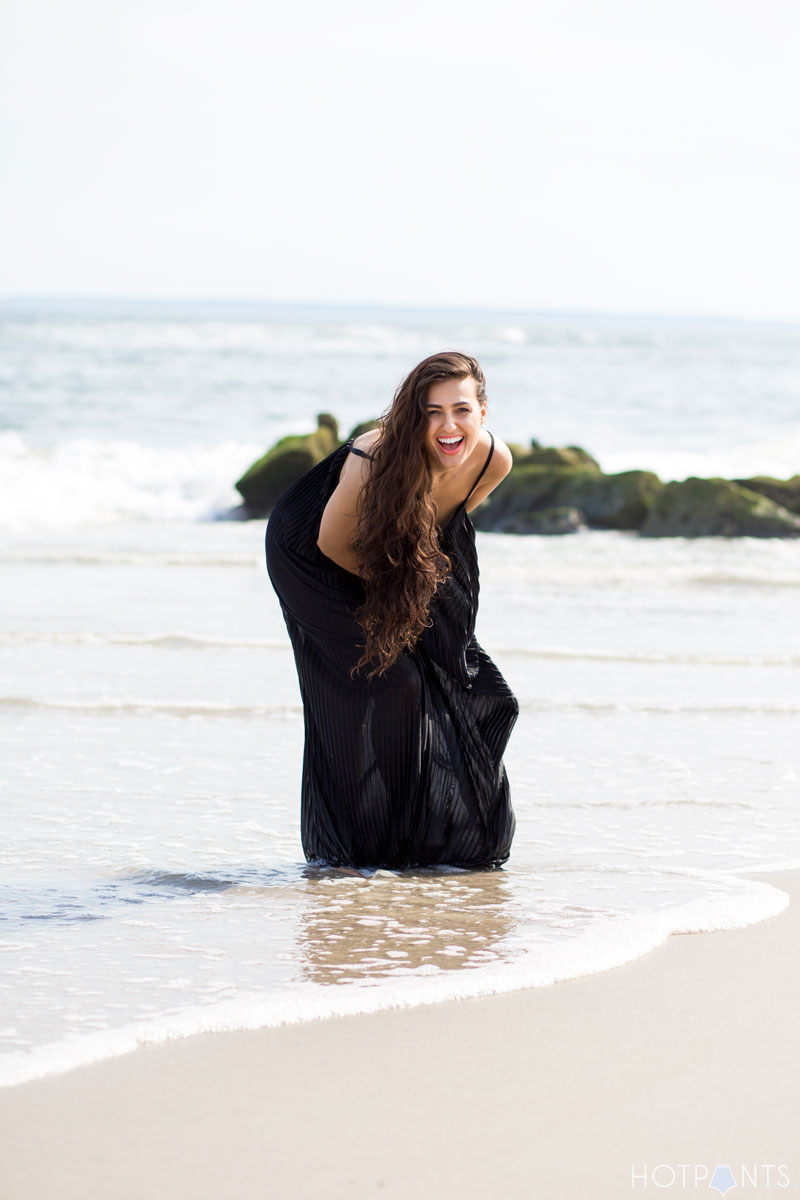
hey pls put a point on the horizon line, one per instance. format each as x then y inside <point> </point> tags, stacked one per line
<point>385,305</point>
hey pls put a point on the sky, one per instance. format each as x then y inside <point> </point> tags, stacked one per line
<point>569,155</point>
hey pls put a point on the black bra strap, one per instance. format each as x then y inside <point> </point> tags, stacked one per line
<point>485,465</point>
<point>360,453</point>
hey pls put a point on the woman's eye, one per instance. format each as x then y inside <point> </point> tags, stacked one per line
<point>434,412</point>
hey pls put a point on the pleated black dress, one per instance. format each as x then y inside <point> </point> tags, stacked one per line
<point>405,769</point>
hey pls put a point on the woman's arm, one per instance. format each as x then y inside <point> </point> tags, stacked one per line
<point>340,516</point>
<point>495,473</point>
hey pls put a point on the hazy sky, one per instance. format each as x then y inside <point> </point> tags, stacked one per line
<point>640,156</point>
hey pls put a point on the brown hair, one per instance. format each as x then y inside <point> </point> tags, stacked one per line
<point>396,541</point>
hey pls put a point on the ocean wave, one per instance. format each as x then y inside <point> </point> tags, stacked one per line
<point>212,335</point>
<point>102,558</point>
<point>210,709</point>
<point>657,659</point>
<point>167,641</point>
<point>173,708</point>
<point>739,579</point>
<point>180,640</point>
<point>635,570</point>
<point>88,482</point>
<point>748,709</point>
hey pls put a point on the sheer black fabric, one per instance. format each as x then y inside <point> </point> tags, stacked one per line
<point>405,769</point>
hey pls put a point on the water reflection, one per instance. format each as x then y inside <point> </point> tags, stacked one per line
<point>358,927</point>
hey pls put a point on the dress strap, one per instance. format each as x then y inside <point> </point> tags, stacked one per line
<point>355,450</point>
<point>485,465</point>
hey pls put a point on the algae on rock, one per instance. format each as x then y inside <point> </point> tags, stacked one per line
<point>554,456</point>
<point>716,508</point>
<point>603,501</point>
<point>284,463</point>
<point>785,492</point>
<point>542,521</point>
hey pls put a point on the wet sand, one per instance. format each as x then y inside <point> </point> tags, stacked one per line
<point>639,1080</point>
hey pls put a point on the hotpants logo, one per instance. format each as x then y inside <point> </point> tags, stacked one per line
<point>720,1177</point>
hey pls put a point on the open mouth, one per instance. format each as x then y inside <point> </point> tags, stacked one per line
<point>451,445</point>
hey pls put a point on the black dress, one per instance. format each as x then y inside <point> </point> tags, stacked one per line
<point>405,769</point>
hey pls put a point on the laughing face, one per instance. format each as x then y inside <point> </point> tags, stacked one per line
<point>454,421</point>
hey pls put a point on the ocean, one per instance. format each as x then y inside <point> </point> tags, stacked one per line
<point>153,882</point>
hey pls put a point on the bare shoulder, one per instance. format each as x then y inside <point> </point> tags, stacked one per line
<point>499,466</point>
<point>501,463</point>
<point>366,441</point>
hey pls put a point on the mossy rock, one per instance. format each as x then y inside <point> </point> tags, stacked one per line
<point>329,422</point>
<point>716,508</point>
<point>525,489</point>
<point>363,427</point>
<point>785,492</point>
<point>543,521</point>
<point>284,463</point>
<point>604,501</point>
<point>610,501</point>
<point>554,456</point>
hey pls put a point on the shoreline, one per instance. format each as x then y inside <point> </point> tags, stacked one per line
<point>683,1056</point>
<point>74,1051</point>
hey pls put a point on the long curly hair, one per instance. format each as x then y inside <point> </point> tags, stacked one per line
<point>396,541</point>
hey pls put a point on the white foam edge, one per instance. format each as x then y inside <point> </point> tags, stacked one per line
<point>754,902</point>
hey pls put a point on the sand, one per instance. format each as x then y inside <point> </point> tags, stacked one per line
<point>636,1081</point>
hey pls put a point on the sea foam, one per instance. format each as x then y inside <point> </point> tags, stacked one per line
<point>85,481</point>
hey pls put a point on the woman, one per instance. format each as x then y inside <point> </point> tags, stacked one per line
<point>372,556</point>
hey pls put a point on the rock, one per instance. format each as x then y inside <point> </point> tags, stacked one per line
<point>545,521</point>
<point>604,501</point>
<point>280,467</point>
<point>364,427</point>
<point>553,456</point>
<point>562,456</point>
<point>525,489</point>
<point>716,508</point>
<point>610,501</point>
<point>785,492</point>
<point>326,421</point>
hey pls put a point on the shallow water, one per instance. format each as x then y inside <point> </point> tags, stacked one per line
<point>151,735</point>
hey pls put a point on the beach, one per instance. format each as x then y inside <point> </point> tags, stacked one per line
<point>186,1005</point>
<point>640,1079</point>
<point>518,917</point>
